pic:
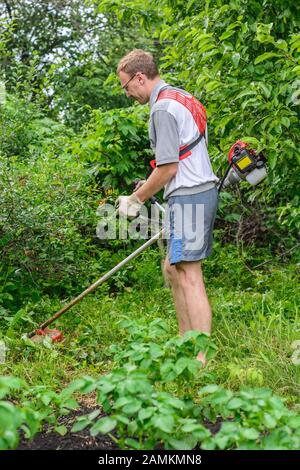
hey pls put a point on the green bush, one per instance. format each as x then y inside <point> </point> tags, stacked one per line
<point>47,227</point>
<point>26,131</point>
<point>115,144</point>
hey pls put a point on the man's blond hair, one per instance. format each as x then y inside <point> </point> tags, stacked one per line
<point>138,61</point>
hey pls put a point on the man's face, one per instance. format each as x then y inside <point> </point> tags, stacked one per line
<point>134,86</point>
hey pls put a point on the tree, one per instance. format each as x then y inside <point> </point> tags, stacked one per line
<point>60,53</point>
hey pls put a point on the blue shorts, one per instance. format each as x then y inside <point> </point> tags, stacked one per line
<point>189,225</point>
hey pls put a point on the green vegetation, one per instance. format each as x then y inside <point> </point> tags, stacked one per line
<point>70,141</point>
<point>255,324</point>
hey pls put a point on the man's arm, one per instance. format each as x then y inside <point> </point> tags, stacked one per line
<point>129,206</point>
<point>160,176</point>
<point>166,154</point>
<point>167,158</point>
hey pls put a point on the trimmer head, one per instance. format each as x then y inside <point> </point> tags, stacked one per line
<point>55,335</point>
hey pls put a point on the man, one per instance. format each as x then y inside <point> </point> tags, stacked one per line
<point>178,136</point>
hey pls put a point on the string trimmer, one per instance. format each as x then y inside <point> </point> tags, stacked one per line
<point>244,164</point>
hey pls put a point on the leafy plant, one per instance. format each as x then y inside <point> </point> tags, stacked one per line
<point>258,419</point>
<point>29,415</point>
<point>115,144</point>
<point>143,417</point>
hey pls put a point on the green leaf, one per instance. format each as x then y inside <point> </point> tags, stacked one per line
<point>62,430</point>
<point>226,35</point>
<point>265,56</point>
<point>173,402</point>
<point>47,398</point>
<point>222,441</point>
<point>103,426</point>
<point>167,372</point>
<point>84,385</point>
<point>251,140</point>
<point>235,58</point>
<point>212,85</point>
<point>156,351</point>
<point>122,419</point>
<point>183,444</point>
<point>235,403</point>
<point>281,44</point>
<point>272,160</point>
<point>295,45</point>
<point>132,427</point>
<point>285,121</point>
<point>266,88</point>
<point>250,433</point>
<point>191,427</point>
<point>71,403</point>
<point>296,69</point>
<point>209,389</point>
<point>133,444</point>
<point>132,384</point>
<point>294,422</point>
<point>269,421</point>
<point>122,401</point>
<point>80,425</point>
<point>8,383</point>
<point>245,93</point>
<point>221,397</point>
<point>132,408</point>
<point>181,364</point>
<point>146,413</point>
<point>93,415</point>
<point>164,423</point>
<point>194,365</point>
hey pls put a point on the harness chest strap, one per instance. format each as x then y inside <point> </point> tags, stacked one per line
<point>198,112</point>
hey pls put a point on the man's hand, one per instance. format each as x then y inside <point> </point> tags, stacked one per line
<point>128,206</point>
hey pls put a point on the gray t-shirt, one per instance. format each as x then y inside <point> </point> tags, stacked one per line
<point>171,126</point>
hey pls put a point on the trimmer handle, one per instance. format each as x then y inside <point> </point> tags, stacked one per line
<point>153,200</point>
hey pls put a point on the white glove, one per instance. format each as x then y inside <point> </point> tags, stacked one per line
<point>128,206</point>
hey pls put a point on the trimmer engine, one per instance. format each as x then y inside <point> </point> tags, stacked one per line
<point>245,164</point>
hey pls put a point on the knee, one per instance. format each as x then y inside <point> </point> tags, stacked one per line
<point>182,275</point>
<point>188,275</point>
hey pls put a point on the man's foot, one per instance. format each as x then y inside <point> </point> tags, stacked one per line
<point>201,358</point>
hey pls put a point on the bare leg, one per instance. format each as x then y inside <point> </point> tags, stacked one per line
<point>191,301</point>
<point>179,298</point>
<point>192,284</point>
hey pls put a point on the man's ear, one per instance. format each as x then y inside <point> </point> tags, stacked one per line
<point>141,78</point>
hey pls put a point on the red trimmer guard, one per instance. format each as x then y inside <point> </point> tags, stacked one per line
<point>55,335</point>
